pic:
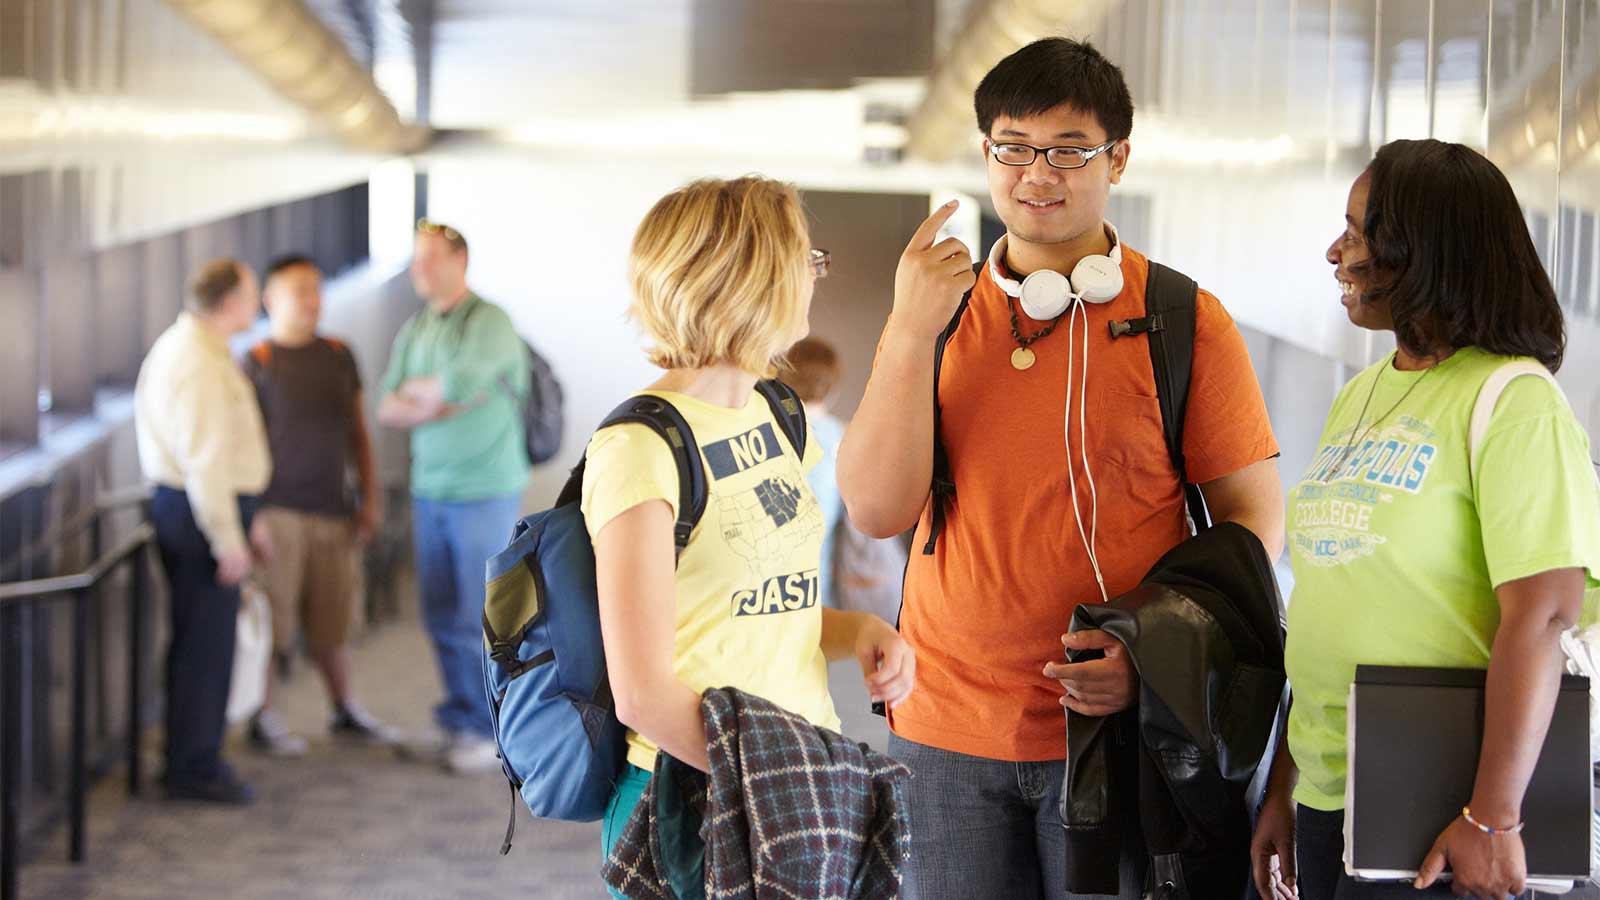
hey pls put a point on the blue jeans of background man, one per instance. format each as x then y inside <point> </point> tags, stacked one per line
<point>986,828</point>
<point>453,541</point>
<point>200,655</point>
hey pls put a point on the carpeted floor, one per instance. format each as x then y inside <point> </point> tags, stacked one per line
<point>345,821</point>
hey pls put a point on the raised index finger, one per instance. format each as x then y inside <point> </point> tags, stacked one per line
<point>923,237</point>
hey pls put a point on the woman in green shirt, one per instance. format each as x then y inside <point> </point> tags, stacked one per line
<point>1406,549</point>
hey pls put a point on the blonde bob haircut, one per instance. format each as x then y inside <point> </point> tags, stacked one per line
<point>719,272</point>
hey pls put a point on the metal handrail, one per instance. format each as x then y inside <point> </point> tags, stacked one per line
<point>122,497</point>
<point>77,590</point>
<point>18,591</point>
<point>88,518</point>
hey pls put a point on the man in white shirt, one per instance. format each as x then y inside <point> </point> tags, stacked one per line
<point>202,444</point>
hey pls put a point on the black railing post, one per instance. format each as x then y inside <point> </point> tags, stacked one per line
<point>10,745</point>
<point>138,598</point>
<point>78,777</point>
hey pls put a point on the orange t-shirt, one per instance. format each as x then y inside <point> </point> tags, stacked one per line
<point>986,612</point>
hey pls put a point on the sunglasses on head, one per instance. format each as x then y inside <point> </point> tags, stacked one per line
<point>428,226</point>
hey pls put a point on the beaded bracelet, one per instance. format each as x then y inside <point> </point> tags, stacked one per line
<point>1466,813</point>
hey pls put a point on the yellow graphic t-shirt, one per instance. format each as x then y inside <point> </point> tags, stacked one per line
<point>748,611</point>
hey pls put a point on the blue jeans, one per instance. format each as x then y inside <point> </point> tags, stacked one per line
<point>986,828</point>
<point>453,541</point>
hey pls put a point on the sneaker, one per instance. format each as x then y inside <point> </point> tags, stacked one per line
<point>351,722</point>
<point>224,790</point>
<point>471,755</point>
<point>269,735</point>
<point>428,746</point>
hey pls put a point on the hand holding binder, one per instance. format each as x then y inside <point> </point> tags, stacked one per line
<point>1485,865</point>
<point>1403,805</point>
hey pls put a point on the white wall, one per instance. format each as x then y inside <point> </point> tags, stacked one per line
<point>550,245</point>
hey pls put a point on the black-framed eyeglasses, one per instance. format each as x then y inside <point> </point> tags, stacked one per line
<point>1059,157</point>
<point>820,260</point>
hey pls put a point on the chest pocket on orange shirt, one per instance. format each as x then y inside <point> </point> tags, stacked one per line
<point>1128,435</point>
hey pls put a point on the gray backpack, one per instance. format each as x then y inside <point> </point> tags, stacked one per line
<point>542,416</point>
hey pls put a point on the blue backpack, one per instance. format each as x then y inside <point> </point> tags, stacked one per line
<point>561,745</point>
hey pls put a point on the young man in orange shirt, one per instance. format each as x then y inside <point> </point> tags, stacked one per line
<point>1064,489</point>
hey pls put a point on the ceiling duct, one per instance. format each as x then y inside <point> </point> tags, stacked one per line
<point>943,125</point>
<point>297,54</point>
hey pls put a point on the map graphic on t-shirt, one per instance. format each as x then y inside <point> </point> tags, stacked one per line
<point>764,524</point>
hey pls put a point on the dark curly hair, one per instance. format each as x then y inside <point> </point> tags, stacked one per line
<point>1452,257</point>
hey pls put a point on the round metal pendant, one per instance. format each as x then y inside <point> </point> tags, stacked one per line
<point>1022,359</point>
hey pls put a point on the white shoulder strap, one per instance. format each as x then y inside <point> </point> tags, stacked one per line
<point>1489,397</point>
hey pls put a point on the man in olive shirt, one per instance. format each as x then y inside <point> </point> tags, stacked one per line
<point>456,379</point>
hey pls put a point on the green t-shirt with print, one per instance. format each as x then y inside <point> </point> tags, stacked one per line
<point>1397,546</point>
<point>482,366</point>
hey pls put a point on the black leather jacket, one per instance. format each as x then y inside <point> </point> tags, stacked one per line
<point>1204,632</point>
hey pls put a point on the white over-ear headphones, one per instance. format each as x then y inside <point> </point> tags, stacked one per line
<point>1047,293</point>
<point>1044,295</point>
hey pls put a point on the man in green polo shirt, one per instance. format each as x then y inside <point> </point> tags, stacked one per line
<point>456,379</point>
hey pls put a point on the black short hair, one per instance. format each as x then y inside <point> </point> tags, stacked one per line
<point>1053,72</point>
<point>286,262</point>
<point>1451,255</point>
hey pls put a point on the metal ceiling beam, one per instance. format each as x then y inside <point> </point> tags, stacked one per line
<point>291,48</point>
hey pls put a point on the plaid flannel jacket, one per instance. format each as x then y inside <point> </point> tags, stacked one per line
<point>789,810</point>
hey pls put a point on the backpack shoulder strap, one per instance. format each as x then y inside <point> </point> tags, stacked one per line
<point>788,410</point>
<point>1489,397</point>
<point>1169,303</point>
<point>666,421</point>
<point>943,485</point>
<point>262,354</point>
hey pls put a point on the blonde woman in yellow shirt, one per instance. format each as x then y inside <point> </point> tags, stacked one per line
<point>722,274</point>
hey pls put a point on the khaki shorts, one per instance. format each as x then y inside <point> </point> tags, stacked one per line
<point>312,578</point>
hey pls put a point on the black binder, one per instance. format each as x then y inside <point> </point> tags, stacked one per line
<point>1414,737</point>
<point>1413,753</point>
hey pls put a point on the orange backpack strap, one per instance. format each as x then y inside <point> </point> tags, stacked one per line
<point>335,343</point>
<point>262,354</point>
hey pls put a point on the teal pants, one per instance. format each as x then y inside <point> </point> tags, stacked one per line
<point>630,787</point>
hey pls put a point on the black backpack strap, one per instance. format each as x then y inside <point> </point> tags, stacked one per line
<point>664,419</point>
<point>788,410</point>
<point>1169,303</point>
<point>943,485</point>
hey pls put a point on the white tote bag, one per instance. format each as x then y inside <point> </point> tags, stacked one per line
<point>252,648</point>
